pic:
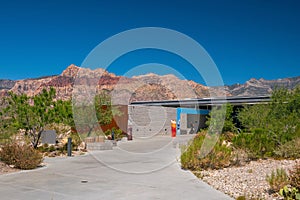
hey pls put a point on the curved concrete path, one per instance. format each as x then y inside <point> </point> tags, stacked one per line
<point>135,170</point>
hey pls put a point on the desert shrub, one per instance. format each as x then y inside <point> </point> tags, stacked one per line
<point>219,157</point>
<point>294,176</point>
<point>258,144</point>
<point>188,156</point>
<point>289,149</point>
<point>21,156</point>
<point>277,179</point>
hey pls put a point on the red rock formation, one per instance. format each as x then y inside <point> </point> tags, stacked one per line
<point>139,88</point>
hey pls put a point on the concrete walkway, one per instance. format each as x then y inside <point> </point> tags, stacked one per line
<point>135,170</point>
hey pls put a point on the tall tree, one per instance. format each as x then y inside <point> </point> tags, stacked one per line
<point>33,113</point>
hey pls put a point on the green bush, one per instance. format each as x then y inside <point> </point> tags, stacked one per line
<point>220,156</point>
<point>277,180</point>
<point>21,156</point>
<point>258,144</point>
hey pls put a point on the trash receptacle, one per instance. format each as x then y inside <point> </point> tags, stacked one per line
<point>129,134</point>
<point>112,134</point>
<point>173,128</point>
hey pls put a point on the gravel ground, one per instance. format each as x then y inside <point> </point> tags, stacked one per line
<point>4,169</point>
<point>248,180</point>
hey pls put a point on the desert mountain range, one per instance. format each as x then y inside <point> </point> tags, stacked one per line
<point>139,88</point>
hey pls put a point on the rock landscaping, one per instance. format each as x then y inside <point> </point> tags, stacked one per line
<point>248,180</point>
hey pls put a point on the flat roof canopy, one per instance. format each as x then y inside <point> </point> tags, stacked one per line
<point>237,100</point>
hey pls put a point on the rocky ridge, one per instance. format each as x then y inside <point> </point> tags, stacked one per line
<point>139,88</point>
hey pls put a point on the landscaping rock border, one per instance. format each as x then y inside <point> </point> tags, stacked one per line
<point>5,169</point>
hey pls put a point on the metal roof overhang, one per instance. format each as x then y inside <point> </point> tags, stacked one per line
<point>213,101</point>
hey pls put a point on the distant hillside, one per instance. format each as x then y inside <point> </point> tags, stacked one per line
<point>140,88</point>
<point>261,87</point>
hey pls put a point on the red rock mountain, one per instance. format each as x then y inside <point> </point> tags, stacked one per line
<point>140,88</point>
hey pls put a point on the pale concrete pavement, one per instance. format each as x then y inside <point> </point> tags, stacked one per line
<point>136,170</point>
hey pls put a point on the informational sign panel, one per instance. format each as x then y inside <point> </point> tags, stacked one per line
<point>48,137</point>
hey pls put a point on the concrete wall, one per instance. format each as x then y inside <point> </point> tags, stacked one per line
<point>147,121</point>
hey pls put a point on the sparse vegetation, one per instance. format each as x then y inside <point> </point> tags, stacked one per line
<point>268,131</point>
<point>277,180</point>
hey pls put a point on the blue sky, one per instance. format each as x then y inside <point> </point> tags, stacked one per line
<point>246,39</point>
